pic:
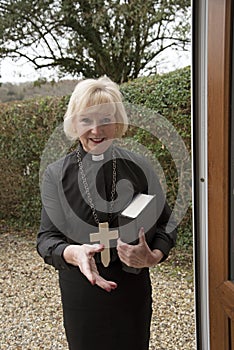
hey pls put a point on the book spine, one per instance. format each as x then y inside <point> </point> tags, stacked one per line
<point>128,234</point>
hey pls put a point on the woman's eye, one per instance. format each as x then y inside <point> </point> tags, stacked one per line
<point>86,120</point>
<point>106,120</point>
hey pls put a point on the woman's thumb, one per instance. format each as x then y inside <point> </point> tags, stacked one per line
<point>142,235</point>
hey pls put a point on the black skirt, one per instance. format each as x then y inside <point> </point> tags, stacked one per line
<point>96,319</point>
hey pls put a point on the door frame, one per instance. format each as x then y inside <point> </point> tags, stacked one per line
<point>211,74</point>
<point>219,86</point>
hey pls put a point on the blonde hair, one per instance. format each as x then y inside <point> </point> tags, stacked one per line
<point>92,92</point>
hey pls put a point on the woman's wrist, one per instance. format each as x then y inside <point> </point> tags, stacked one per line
<point>157,256</point>
<point>68,254</point>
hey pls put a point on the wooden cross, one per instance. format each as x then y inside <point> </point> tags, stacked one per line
<point>104,236</point>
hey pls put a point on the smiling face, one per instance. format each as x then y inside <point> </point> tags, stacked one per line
<point>96,127</point>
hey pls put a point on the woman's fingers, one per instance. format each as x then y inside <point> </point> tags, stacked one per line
<point>104,284</point>
<point>91,272</point>
<point>100,281</point>
<point>142,239</point>
<point>83,256</point>
<point>95,248</point>
<point>138,255</point>
<point>85,268</point>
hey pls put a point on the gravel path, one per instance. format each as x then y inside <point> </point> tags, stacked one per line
<point>31,316</point>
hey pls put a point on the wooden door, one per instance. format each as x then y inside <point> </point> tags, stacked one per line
<point>213,144</point>
<point>219,61</point>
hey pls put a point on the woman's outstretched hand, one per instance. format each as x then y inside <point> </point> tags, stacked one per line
<point>139,255</point>
<point>83,257</point>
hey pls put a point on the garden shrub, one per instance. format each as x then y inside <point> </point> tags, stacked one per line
<point>168,95</point>
<point>25,129</point>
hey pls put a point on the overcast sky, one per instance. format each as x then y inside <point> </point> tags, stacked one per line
<point>22,72</point>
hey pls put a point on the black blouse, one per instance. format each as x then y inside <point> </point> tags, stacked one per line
<point>66,215</point>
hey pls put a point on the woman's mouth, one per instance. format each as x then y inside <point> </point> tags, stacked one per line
<point>97,140</point>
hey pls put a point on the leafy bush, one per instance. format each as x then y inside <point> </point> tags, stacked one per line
<point>170,96</point>
<point>26,127</point>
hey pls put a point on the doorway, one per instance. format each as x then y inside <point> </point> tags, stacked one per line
<point>213,177</point>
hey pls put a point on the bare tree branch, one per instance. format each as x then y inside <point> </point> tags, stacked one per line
<point>90,37</point>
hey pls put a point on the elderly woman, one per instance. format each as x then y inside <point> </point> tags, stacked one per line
<point>105,288</point>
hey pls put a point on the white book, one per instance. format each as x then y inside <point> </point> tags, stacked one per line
<point>138,204</point>
<point>141,212</point>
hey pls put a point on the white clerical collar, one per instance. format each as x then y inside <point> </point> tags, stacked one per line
<point>98,157</point>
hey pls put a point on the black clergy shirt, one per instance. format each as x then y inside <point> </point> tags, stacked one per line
<point>66,216</point>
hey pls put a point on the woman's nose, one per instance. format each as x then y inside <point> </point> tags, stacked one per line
<point>95,129</point>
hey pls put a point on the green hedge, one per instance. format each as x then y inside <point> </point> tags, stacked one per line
<point>26,127</point>
<point>170,96</point>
